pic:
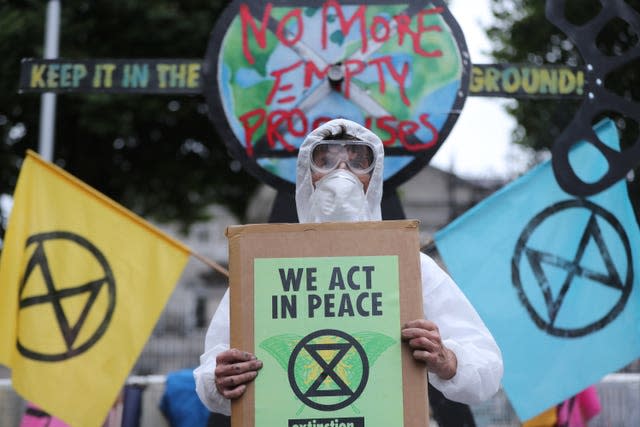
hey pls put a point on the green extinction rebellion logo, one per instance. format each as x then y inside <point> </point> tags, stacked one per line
<point>328,369</point>
<point>328,364</point>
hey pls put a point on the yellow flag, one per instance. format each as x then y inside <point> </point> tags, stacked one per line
<point>82,284</point>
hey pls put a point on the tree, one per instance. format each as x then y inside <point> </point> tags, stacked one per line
<point>158,155</point>
<point>522,33</point>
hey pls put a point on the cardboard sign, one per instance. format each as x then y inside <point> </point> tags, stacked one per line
<point>322,305</point>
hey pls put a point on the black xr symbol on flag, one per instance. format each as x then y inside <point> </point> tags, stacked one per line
<point>546,243</point>
<point>52,290</point>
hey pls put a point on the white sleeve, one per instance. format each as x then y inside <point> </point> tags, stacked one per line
<point>215,342</point>
<point>480,366</point>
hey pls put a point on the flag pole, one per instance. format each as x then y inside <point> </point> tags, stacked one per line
<point>217,267</point>
<point>48,99</point>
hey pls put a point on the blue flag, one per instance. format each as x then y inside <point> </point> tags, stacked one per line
<point>554,277</point>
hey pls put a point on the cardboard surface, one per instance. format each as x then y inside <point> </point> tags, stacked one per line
<point>342,271</point>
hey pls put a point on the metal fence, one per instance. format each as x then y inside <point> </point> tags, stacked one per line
<point>178,340</point>
<point>619,395</point>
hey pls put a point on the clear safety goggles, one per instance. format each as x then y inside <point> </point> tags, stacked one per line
<point>327,155</point>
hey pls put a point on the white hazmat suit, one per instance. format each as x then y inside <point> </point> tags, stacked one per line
<point>479,361</point>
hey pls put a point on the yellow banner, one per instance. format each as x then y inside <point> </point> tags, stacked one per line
<point>82,284</point>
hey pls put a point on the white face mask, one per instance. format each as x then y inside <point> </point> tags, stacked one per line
<point>338,196</point>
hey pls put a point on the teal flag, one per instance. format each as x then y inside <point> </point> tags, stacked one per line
<point>554,277</point>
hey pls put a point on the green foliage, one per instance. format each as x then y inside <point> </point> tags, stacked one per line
<point>158,155</point>
<point>521,33</point>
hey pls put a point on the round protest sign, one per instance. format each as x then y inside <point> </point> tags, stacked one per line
<point>275,71</point>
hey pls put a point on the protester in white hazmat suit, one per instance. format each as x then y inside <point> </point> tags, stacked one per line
<point>341,180</point>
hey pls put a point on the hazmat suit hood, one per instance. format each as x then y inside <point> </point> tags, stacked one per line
<point>304,186</point>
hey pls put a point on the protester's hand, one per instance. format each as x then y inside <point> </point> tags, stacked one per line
<point>234,369</point>
<point>424,339</point>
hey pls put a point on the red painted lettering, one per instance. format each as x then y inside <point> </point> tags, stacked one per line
<point>282,27</point>
<point>249,129</point>
<point>383,124</point>
<point>298,114</point>
<point>260,35</point>
<point>311,70</point>
<point>277,118</point>
<point>319,121</point>
<point>368,121</point>
<point>424,119</point>
<point>400,78</point>
<point>407,128</point>
<point>381,80</point>
<point>277,85</point>
<point>345,26</point>
<point>403,26</point>
<point>352,67</point>
<point>294,123</point>
<point>379,29</point>
<point>379,35</point>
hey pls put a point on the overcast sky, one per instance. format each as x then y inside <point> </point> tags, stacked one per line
<point>479,143</point>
